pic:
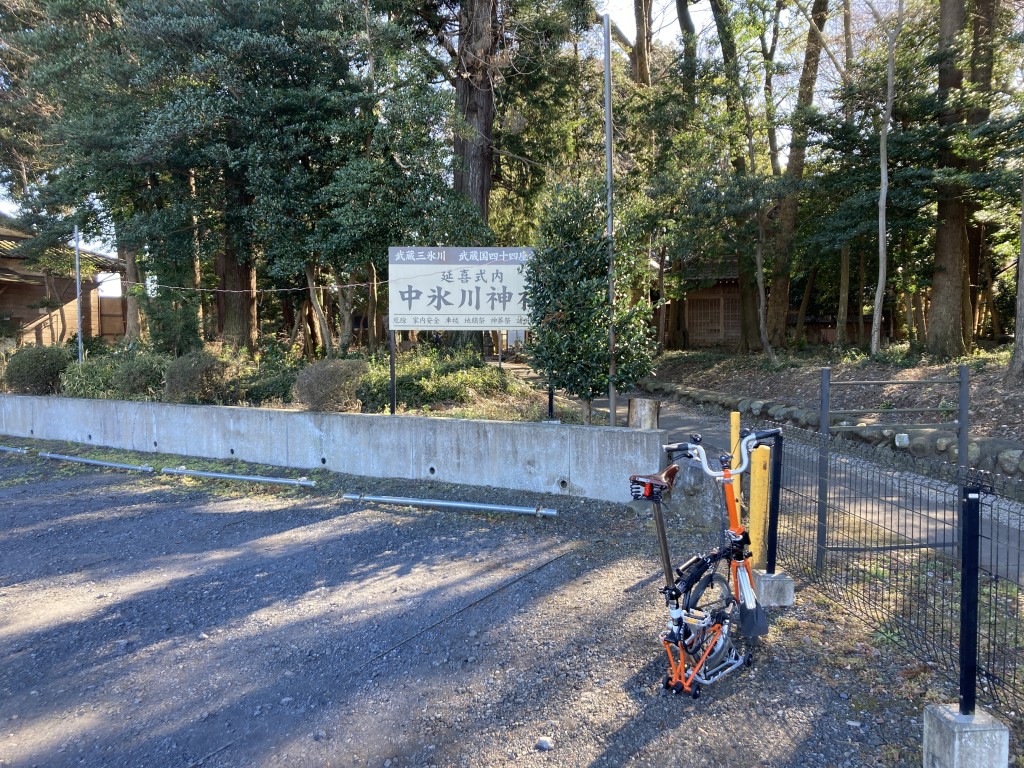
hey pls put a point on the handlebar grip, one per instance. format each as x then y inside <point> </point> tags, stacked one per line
<point>767,433</point>
<point>678,448</point>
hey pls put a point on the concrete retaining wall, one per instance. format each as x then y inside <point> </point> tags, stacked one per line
<point>593,462</point>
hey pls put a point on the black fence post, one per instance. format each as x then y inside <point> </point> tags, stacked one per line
<point>824,429</point>
<point>970,514</point>
<point>551,402</point>
<point>774,491</point>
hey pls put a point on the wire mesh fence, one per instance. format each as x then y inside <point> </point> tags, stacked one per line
<point>881,534</point>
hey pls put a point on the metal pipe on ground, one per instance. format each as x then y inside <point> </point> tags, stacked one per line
<point>96,462</point>
<point>251,478</point>
<point>538,511</point>
<point>6,449</point>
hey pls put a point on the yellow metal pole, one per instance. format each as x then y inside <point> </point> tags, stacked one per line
<point>758,528</point>
<point>734,449</point>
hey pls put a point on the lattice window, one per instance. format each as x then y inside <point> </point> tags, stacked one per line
<point>704,320</point>
<point>731,317</point>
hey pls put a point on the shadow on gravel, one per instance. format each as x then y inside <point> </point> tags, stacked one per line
<point>141,627</point>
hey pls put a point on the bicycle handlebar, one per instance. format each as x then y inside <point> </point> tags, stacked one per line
<point>747,445</point>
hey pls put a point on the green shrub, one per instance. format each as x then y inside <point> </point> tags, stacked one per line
<point>425,379</point>
<point>91,378</point>
<point>198,377</point>
<point>36,370</point>
<point>91,345</point>
<point>139,376</point>
<point>331,385</point>
<point>261,386</point>
<point>268,377</point>
<point>126,373</point>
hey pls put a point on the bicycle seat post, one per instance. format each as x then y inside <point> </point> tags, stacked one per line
<point>666,560</point>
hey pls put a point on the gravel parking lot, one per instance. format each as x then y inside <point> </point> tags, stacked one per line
<point>160,621</point>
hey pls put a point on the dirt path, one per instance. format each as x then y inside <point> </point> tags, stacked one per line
<point>149,623</point>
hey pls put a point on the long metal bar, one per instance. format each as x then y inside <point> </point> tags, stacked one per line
<point>96,462</point>
<point>539,511</point>
<point>970,505</point>
<point>774,502</point>
<point>896,382</point>
<point>951,425</point>
<point>666,560</point>
<point>824,427</point>
<point>5,449</point>
<point>250,478</point>
<point>936,409</point>
<point>78,290</point>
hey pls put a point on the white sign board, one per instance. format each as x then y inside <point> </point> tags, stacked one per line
<point>457,288</point>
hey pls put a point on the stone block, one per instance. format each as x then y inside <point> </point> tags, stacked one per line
<point>952,740</point>
<point>774,590</point>
<point>1009,460</point>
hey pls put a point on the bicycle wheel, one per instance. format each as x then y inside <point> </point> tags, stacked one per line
<point>712,596</point>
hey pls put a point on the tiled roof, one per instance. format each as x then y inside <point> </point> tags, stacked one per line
<point>11,237</point>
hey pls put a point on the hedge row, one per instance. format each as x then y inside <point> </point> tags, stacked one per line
<point>132,372</point>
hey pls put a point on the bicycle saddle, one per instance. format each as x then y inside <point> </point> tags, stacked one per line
<point>664,479</point>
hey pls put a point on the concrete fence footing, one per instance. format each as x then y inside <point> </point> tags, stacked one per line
<point>774,590</point>
<point>952,740</point>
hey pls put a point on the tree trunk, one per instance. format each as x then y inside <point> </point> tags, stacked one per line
<point>1015,370</point>
<point>762,326</point>
<point>288,323</point>
<point>883,154</point>
<point>372,340</point>
<point>474,99</point>
<point>749,327</point>
<point>945,322</point>
<point>346,301</point>
<point>945,318</point>
<point>663,303</point>
<point>197,270</point>
<point>238,273</point>
<point>862,288</point>
<point>318,311</point>
<point>778,296</point>
<point>967,326</point>
<point>642,47</point>
<point>308,329</point>
<point>672,340</point>
<point>771,121</point>
<point>132,284</point>
<point>919,316</point>
<point>843,308</point>
<point>908,314</point>
<point>239,300</point>
<point>689,35</point>
<point>801,317</point>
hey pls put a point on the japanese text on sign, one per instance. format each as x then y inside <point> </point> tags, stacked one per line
<point>457,288</point>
